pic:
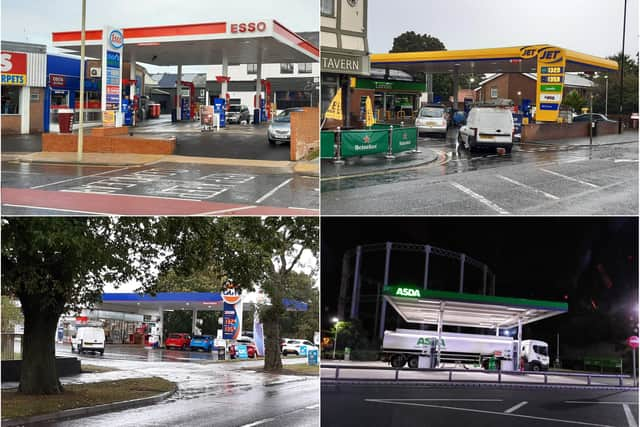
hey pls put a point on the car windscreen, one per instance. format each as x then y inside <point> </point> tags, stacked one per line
<point>432,112</point>
<point>540,349</point>
<point>283,117</point>
<point>174,336</point>
<point>234,108</point>
<point>199,337</point>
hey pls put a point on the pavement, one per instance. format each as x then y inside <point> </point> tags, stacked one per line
<point>554,178</point>
<point>435,406</point>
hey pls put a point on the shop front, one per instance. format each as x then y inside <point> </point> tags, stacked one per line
<point>393,101</point>
<point>23,82</point>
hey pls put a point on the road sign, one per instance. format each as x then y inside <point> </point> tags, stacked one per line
<point>303,350</point>
<point>632,341</point>
<point>242,351</point>
<point>312,357</point>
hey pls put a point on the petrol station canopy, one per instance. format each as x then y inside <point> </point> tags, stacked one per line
<point>201,301</point>
<point>264,41</point>
<point>493,60</point>
<point>416,305</point>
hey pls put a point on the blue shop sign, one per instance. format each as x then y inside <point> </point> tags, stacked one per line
<point>242,351</point>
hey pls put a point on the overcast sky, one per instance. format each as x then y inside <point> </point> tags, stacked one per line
<point>587,26</point>
<point>34,20</point>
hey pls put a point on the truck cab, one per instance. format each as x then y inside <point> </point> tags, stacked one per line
<point>535,355</point>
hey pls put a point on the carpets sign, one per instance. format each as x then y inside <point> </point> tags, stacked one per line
<point>14,68</point>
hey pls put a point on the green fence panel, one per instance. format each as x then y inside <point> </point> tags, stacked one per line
<point>404,139</point>
<point>380,126</point>
<point>327,140</point>
<point>364,142</point>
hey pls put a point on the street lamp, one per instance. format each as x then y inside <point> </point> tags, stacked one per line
<point>606,94</point>
<point>471,80</point>
<point>335,321</point>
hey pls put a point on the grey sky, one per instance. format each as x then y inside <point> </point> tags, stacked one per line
<point>34,20</point>
<point>588,26</point>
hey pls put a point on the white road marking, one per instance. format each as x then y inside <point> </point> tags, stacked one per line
<point>270,193</point>
<point>442,400</point>
<point>56,209</point>
<point>513,181</point>
<point>317,405</point>
<point>627,411</point>
<point>480,198</point>
<point>600,403</point>
<point>145,196</point>
<point>228,210</point>
<point>570,178</point>
<point>391,401</point>
<point>515,407</point>
<point>79,177</point>
<point>625,161</point>
<point>257,423</point>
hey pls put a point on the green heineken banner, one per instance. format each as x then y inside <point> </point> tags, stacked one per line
<point>327,140</point>
<point>404,139</point>
<point>364,142</point>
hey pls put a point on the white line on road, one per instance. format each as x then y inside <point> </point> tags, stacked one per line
<point>55,209</point>
<point>515,407</point>
<point>228,210</point>
<point>79,177</point>
<point>600,403</point>
<point>570,178</point>
<point>442,400</point>
<point>317,405</point>
<point>391,401</point>
<point>513,181</point>
<point>480,198</point>
<point>270,193</point>
<point>257,423</point>
<point>625,161</point>
<point>627,411</point>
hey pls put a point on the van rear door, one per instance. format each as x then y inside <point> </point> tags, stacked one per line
<point>494,125</point>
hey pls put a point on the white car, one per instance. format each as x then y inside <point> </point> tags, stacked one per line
<point>293,346</point>
<point>88,338</point>
<point>489,127</point>
<point>432,119</point>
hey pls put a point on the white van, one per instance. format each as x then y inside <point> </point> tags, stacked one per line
<point>490,127</point>
<point>535,355</point>
<point>88,338</point>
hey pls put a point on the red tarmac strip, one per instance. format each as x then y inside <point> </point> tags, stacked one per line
<point>117,204</point>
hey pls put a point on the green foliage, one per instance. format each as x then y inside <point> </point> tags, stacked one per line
<point>574,100</point>
<point>11,314</point>
<point>630,88</point>
<point>351,334</point>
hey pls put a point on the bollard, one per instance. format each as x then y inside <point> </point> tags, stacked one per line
<point>397,372</point>
<point>337,159</point>
<point>401,124</point>
<point>450,375</point>
<point>588,379</point>
<point>500,375</point>
<point>415,150</point>
<point>337,372</point>
<point>389,155</point>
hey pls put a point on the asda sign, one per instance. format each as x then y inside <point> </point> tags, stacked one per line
<point>403,291</point>
<point>426,342</point>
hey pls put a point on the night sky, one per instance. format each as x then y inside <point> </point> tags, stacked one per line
<point>589,262</point>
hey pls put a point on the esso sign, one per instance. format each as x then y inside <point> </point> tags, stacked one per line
<point>632,342</point>
<point>248,27</point>
<point>116,39</point>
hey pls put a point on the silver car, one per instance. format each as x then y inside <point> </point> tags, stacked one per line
<point>280,128</point>
<point>238,114</point>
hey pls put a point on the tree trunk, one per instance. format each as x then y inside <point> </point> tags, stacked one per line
<point>38,373</point>
<point>272,360</point>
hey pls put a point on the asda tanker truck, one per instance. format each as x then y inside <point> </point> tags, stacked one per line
<point>405,346</point>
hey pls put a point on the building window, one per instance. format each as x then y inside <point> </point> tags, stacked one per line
<point>252,68</point>
<point>494,92</point>
<point>304,68</point>
<point>10,99</point>
<point>327,8</point>
<point>286,68</point>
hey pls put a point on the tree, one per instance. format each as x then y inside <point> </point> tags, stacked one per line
<point>574,100</point>
<point>630,87</point>
<point>253,252</point>
<point>11,315</point>
<point>54,264</point>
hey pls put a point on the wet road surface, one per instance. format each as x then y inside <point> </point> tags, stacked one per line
<point>534,179</point>
<point>161,188</point>
<point>402,405</point>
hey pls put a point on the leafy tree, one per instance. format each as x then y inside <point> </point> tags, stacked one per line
<point>574,100</point>
<point>11,314</point>
<point>630,87</point>
<point>53,265</point>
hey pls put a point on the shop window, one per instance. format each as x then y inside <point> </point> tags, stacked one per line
<point>494,92</point>
<point>286,68</point>
<point>252,68</point>
<point>304,68</point>
<point>327,8</point>
<point>10,99</point>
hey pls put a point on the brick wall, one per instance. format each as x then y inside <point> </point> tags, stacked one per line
<point>10,124</point>
<point>36,114</point>
<point>56,142</point>
<point>305,132</point>
<point>546,131</point>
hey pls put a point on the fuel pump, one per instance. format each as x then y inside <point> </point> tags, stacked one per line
<point>127,111</point>
<point>219,107</point>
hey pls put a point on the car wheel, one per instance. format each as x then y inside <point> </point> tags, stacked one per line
<point>272,142</point>
<point>102,353</point>
<point>535,367</point>
<point>185,348</point>
<point>398,361</point>
<point>413,362</point>
<point>508,149</point>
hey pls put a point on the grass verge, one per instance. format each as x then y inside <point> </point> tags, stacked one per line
<point>92,369</point>
<point>15,404</point>
<point>297,369</point>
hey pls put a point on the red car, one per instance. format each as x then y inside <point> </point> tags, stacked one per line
<point>252,351</point>
<point>180,341</point>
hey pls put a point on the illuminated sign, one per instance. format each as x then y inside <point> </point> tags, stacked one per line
<point>408,292</point>
<point>551,68</point>
<point>116,39</point>
<point>551,79</point>
<point>231,293</point>
<point>111,97</point>
<point>13,67</point>
<point>248,27</point>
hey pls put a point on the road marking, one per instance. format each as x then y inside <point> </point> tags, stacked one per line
<point>515,407</point>
<point>627,411</point>
<point>480,198</point>
<point>570,178</point>
<point>513,181</point>
<point>445,400</point>
<point>228,210</point>
<point>143,196</point>
<point>55,209</point>
<point>270,193</point>
<point>79,177</point>
<point>257,423</point>
<point>392,401</point>
<point>317,405</point>
<point>601,403</point>
<point>625,161</point>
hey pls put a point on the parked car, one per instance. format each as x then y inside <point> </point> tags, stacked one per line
<point>293,346</point>
<point>178,340</point>
<point>283,341</point>
<point>596,117</point>
<point>201,342</point>
<point>280,128</point>
<point>238,114</point>
<point>252,350</point>
<point>88,338</point>
<point>488,127</point>
<point>432,118</point>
